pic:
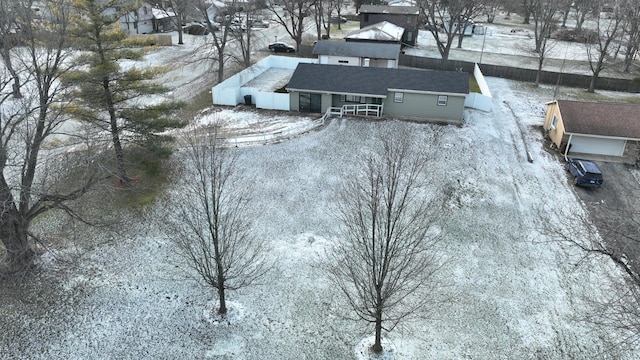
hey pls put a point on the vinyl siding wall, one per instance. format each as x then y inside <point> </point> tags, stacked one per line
<point>555,135</point>
<point>424,106</point>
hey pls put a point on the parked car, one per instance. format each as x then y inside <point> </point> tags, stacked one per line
<point>195,29</point>
<point>281,47</point>
<point>259,23</point>
<point>335,19</point>
<point>237,28</point>
<point>585,173</point>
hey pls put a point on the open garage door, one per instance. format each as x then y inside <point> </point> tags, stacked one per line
<point>596,145</point>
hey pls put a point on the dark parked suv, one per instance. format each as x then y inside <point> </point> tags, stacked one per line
<point>585,173</point>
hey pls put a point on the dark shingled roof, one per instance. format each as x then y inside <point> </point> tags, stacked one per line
<point>601,118</point>
<point>344,79</point>
<point>384,9</point>
<point>358,49</point>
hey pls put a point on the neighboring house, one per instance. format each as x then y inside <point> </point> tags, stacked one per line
<point>599,128</point>
<point>357,53</point>
<point>382,32</point>
<point>407,93</point>
<point>216,10</point>
<point>403,16</point>
<point>148,19</point>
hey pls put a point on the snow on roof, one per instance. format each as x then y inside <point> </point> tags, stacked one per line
<point>162,14</point>
<point>383,9</point>
<point>382,31</point>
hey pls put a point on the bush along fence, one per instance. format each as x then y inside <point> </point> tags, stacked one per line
<point>529,75</point>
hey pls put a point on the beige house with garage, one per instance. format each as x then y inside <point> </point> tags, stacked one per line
<point>594,129</point>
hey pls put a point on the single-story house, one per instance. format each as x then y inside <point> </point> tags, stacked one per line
<point>382,32</point>
<point>403,16</point>
<point>598,128</point>
<point>407,93</point>
<point>357,53</point>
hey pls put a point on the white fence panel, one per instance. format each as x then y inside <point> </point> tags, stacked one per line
<point>482,101</point>
<point>274,101</point>
<point>230,92</point>
<point>478,101</point>
<point>482,82</point>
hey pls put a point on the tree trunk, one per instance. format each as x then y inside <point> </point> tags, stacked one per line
<point>222,310</point>
<point>377,345</point>
<point>115,139</point>
<point>14,75</point>
<point>592,83</point>
<point>20,255</point>
<point>117,147</point>
<point>460,38</point>
<point>220,279</point>
<point>13,232</point>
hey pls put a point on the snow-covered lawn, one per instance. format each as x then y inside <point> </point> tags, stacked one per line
<point>510,294</point>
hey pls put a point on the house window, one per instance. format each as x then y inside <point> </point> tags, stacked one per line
<point>366,17</point>
<point>442,100</point>
<point>398,97</point>
<point>343,61</point>
<point>554,122</point>
<point>409,35</point>
<point>377,101</point>
<point>350,98</point>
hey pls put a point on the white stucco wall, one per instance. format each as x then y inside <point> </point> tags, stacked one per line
<point>483,101</point>
<point>231,91</point>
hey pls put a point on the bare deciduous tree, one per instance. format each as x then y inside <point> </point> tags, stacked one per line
<point>446,19</point>
<point>211,222</point>
<point>617,316</point>
<point>181,9</point>
<point>10,37</point>
<point>584,8</point>
<point>292,16</point>
<point>386,262</point>
<point>632,32</point>
<point>34,180</point>
<point>543,13</point>
<point>608,31</point>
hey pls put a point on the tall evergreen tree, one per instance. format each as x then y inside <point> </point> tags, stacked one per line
<point>117,98</point>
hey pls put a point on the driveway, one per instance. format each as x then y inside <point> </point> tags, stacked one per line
<point>614,208</point>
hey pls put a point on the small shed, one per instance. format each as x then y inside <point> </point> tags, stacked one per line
<point>357,53</point>
<point>594,128</point>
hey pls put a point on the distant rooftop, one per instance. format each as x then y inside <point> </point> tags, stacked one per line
<point>384,9</point>
<point>382,31</point>
<point>358,49</point>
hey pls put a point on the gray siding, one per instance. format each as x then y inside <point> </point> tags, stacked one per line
<point>326,102</point>
<point>294,101</point>
<point>425,106</point>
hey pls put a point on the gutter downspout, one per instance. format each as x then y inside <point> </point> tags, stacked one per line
<point>566,150</point>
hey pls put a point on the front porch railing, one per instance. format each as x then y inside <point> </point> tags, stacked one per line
<point>356,110</point>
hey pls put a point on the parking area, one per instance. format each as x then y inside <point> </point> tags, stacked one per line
<point>615,208</point>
